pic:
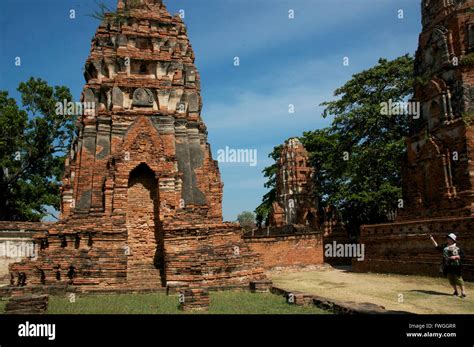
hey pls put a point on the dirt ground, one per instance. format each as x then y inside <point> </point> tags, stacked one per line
<point>417,294</point>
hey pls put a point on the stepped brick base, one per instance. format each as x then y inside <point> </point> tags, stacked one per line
<point>87,253</point>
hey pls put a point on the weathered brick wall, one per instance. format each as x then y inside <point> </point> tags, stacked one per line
<point>288,250</point>
<point>96,252</point>
<point>210,255</point>
<point>405,248</point>
<point>83,250</point>
<point>335,232</point>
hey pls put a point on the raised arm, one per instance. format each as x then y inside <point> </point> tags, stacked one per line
<point>433,240</point>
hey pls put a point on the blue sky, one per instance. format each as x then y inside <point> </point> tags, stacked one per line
<point>282,61</point>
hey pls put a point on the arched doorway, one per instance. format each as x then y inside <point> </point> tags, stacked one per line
<point>144,233</point>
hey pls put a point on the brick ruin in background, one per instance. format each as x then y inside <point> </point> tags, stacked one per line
<point>141,196</point>
<point>297,228</point>
<point>295,201</point>
<point>438,173</point>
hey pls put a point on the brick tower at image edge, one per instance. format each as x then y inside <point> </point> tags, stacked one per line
<point>141,195</point>
<point>438,173</point>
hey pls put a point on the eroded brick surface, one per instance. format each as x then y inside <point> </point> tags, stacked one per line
<point>291,249</point>
<point>438,174</point>
<point>142,196</point>
<point>296,201</point>
<point>194,299</point>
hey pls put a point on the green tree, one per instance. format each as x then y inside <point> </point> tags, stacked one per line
<point>33,142</point>
<point>246,220</point>
<point>270,173</point>
<point>324,154</point>
<point>357,159</point>
<point>367,186</point>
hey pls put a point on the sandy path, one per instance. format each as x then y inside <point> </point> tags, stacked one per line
<point>416,294</point>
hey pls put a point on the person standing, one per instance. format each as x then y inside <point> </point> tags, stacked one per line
<point>452,263</point>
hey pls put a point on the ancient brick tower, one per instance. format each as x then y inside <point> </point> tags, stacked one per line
<point>438,174</point>
<point>296,201</point>
<point>141,200</point>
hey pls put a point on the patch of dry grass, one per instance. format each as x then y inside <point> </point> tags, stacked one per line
<point>417,294</point>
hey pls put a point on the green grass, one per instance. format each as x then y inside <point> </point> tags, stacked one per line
<point>227,302</point>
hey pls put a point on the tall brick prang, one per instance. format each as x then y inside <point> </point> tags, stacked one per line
<point>438,173</point>
<point>142,196</point>
<point>438,178</point>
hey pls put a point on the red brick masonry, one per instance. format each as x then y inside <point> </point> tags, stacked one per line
<point>405,247</point>
<point>290,248</point>
<point>438,173</point>
<point>142,196</point>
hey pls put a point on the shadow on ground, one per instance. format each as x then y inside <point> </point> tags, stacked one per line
<point>430,292</point>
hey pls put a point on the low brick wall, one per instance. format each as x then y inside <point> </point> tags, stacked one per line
<point>283,250</point>
<point>405,247</point>
<point>16,243</point>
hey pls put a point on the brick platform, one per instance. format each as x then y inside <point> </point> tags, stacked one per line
<point>27,304</point>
